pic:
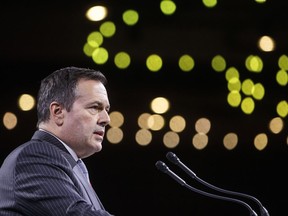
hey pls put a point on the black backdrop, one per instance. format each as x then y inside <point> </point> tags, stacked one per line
<point>125,177</point>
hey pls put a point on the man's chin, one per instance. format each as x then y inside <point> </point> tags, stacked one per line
<point>98,147</point>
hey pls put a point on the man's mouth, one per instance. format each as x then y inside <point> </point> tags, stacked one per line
<point>100,133</point>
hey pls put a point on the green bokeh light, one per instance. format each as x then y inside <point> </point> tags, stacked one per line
<point>210,3</point>
<point>186,63</point>
<point>258,91</point>
<point>122,60</point>
<point>234,98</point>
<point>247,86</point>
<point>248,105</point>
<point>88,50</point>
<point>108,29</point>
<point>100,55</point>
<point>283,62</point>
<point>232,72</point>
<point>234,84</point>
<point>218,63</point>
<point>154,63</point>
<point>282,108</point>
<point>282,77</point>
<point>95,39</point>
<point>167,7</point>
<point>254,63</point>
<point>130,17</point>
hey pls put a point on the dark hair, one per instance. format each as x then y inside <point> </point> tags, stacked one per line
<point>60,86</point>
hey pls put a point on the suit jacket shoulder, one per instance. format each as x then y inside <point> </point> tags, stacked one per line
<point>39,177</point>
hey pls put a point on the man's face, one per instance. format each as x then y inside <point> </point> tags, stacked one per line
<point>84,125</point>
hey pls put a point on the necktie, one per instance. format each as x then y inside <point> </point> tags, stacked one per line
<point>83,168</point>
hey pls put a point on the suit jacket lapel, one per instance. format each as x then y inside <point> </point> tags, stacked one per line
<point>89,193</point>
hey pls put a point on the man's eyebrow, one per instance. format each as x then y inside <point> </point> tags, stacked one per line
<point>99,103</point>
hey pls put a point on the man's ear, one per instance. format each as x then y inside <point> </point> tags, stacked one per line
<point>56,112</point>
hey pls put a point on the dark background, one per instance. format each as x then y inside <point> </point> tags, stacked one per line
<point>39,37</point>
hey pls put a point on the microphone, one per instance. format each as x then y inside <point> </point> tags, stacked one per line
<point>164,168</point>
<point>174,159</point>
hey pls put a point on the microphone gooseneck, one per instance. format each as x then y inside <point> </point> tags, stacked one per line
<point>174,159</point>
<point>165,169</point>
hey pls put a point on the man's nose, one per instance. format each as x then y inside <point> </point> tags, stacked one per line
<point>104,118</point>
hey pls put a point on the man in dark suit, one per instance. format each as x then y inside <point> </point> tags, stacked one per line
<point>46,176</point>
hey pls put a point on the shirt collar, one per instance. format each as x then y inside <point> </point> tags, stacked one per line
<point>70,150</point>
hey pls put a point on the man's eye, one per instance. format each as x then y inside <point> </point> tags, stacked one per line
<point>94,108</point>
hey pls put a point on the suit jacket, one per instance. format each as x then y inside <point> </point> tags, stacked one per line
<point>41,178</point>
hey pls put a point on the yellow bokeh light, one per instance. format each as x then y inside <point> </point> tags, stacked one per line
<point>261,141</point>
<point>276,125</point>
<point>143,120</point>
<point>26,102</point>
<point>114,135</point>
<point>9,120</point>
<point>230,141</point>
<point>200,141</point>
<point>143,137</point>
<point>266,44</point>
<point>171,139</point>
<point>160,105</point>
<point>116,119</point>
<point>203,125</point>
<point>156,122</point>
<point>177,123</point>
<point>96,13</point>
